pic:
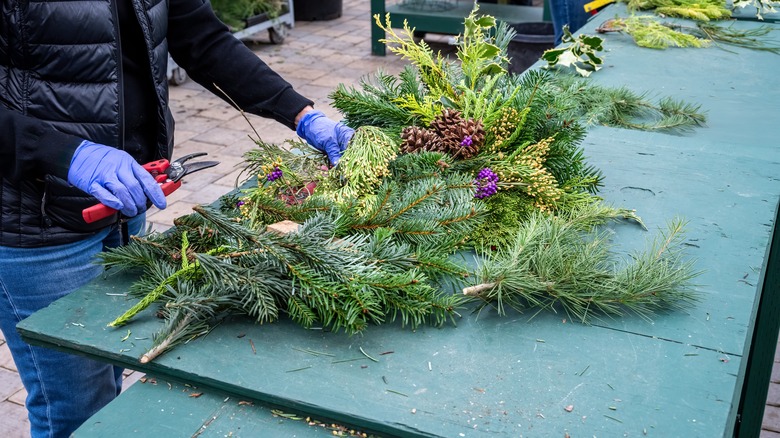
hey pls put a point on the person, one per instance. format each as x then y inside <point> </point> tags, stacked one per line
<point>83,103</point>
<point>567,12</point>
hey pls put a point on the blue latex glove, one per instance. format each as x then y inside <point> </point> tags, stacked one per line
<point>114,178</point>
<point>325,134</point>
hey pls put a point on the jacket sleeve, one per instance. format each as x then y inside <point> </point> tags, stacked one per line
<point>201,44</point>
<point>32,148</point>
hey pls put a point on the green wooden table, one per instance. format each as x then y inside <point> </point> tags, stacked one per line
<point>702,373</point>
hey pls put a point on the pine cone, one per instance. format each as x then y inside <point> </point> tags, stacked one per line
<point>465,139</point>
<point>446,120</point>
<point>415,139</point>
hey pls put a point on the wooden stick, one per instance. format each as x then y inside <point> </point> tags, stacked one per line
<point>474,291</point>
<point>158,350</point>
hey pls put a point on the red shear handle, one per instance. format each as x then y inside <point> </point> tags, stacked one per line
<point>100,211</point>
<point>157,167</point>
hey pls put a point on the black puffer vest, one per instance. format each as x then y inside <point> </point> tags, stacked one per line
<point>60,62</point>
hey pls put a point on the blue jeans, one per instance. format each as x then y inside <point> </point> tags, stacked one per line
<point>569,12</point>
<point>63,390</point>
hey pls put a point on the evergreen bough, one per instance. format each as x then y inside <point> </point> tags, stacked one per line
<point>377,237</point>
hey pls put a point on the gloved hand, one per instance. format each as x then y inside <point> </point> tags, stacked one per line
<point>325,134</point>
<point>114,178</point>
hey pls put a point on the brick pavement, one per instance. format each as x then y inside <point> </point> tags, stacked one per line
<point>315,57</point>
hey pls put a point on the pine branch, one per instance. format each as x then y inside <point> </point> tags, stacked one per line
<point>748,39</point>
<point>550,263</point>
<point>621,107</point>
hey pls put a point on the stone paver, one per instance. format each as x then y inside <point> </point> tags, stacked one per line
<point>314,58</point>
<point>9,383</point>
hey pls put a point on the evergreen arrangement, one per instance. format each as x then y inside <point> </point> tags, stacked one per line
<point>451,158</point>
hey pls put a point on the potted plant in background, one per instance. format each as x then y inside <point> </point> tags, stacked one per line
<point>240,14</point>
<point>316,10</point>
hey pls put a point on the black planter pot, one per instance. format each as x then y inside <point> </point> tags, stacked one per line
<point>527,46</point>
<point>317,10</point>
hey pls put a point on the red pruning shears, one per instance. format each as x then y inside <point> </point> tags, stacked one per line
<point>167,174</point>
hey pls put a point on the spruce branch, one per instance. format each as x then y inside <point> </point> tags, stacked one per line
<point>188,315</point>
<point>168,342</point>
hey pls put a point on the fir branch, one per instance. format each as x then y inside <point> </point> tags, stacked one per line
<point>374,105</point>
<point>187,270</point>
<point>187,316</point>
<point>167,342</point>
<point>134,256</point>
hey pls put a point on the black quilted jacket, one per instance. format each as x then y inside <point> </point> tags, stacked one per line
<point>61,82</point>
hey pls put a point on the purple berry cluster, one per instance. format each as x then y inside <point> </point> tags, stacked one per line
<point>274,175</point>
<point>486,183</point>
<point>467,141</point>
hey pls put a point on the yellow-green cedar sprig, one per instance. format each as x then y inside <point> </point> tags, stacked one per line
<point>432,67</point>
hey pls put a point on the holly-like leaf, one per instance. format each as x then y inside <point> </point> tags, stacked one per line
<point>490,51</point>
<point>485,21</point>
<point>580,54</point>
<point>491,69</point>
<point>552,56</point>
<point>593,42</point>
